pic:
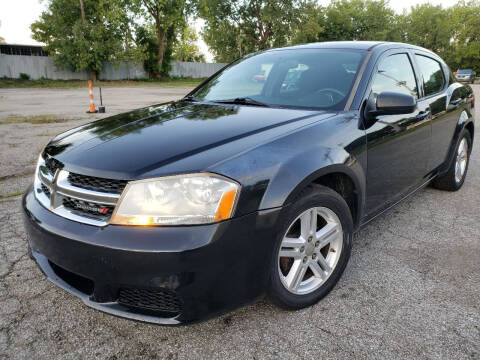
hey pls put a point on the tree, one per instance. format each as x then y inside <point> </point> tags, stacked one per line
<point>186,49</point>
<point>428,26</point>
<point>146,38</point>
<point>2,40</point>
<point>82,34</point>
<point>132,52</point>
<point>357,20</point>
<point>235,28</point>
<point>167,16</point>
<point>465,44</point>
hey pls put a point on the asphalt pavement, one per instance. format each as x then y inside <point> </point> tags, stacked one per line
<point>410,291</point>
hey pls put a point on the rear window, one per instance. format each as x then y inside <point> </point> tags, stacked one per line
<point>433,78</point>
<point>464,72</point>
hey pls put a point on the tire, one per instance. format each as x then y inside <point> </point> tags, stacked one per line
<point>450,181</point>
<point>332,212</point>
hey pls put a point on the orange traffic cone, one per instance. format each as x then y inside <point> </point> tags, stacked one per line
<point>92,105</point>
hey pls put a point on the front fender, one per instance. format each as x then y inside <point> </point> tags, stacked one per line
<point>305,168</point>
<point>273,173</point>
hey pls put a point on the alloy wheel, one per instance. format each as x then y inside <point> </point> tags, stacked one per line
<point>310,250</point>
<point>461,160</point>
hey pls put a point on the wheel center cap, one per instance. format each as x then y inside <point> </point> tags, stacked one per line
<point>309,249</point>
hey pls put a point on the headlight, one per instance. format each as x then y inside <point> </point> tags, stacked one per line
<point>177,200</point>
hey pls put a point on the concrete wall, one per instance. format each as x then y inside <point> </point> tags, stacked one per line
<point>41,66</point>
<point>36,66</point>
<point>121,71</point>
<point>194,70</point>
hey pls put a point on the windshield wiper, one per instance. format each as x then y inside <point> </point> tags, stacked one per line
<point>191,98</point>
<point>241,101</point>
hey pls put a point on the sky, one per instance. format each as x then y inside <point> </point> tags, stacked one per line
<point>16,16</point>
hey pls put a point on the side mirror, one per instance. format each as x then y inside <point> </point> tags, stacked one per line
<point>391,103</point>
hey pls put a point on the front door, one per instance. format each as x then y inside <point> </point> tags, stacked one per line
<point>398,145</point>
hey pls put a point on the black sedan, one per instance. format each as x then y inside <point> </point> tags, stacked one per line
<point>176,212</point>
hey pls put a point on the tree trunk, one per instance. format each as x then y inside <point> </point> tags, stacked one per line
<point>92,74</point>
<point>170,38</point>
<point>161,48</point>
<point>82,11</point>
<point>127,50</point>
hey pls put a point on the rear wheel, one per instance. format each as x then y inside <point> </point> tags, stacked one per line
<point>455,177</point>
<point>313,249</point>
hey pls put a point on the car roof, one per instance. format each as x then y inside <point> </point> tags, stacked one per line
<point>358,45</point>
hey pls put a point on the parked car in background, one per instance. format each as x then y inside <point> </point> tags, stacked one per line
<point>466,75</point>
<point>247,186</point>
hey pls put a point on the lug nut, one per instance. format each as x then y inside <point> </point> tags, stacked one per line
<point>314,256</point>
<point>317,243</point>
<point>310,239</point>
<point>305,259</point>
<point>302,249</point>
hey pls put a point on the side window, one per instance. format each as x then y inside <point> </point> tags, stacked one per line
<point>433,78</point>
<point>395,74</point>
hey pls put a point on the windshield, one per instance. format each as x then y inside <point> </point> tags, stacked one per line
<point>464,72</point>
<point>306,78</point>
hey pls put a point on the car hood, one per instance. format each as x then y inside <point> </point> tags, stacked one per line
<point>131,144</point>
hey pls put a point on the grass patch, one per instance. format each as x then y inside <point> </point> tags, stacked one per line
<point>62,84</point>
<point>6,196</point>
<point>34,119</point>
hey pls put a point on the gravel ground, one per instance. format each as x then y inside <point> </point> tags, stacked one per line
<point>410,291</point>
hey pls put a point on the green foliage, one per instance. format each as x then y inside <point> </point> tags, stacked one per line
<point>235,28</point>
<point>168,17</point>
<point>79,43</point>
<point>146,37</point>
<point>428,26</point>
<point>24,76</point>
<point>465,19</point>
<point>358,20</point>
<point>186,49</point>
<point>2,40</point>
<point>65,84</point>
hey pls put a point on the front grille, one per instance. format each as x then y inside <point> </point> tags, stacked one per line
<point>161,300</point>
<point>45,190</point>
<point>97,184</point>
<point>52,165</point>
<point>86,199</point>
<point>88,209</point>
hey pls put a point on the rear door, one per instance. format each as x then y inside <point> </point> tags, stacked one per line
<point>398,145</point>
<point>434,98</point>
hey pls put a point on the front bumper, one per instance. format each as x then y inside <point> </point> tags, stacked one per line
<point>210,268</point>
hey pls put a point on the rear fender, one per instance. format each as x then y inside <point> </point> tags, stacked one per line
<point>459,97</point>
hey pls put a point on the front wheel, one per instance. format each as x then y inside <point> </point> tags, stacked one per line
<point>313,249</point>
